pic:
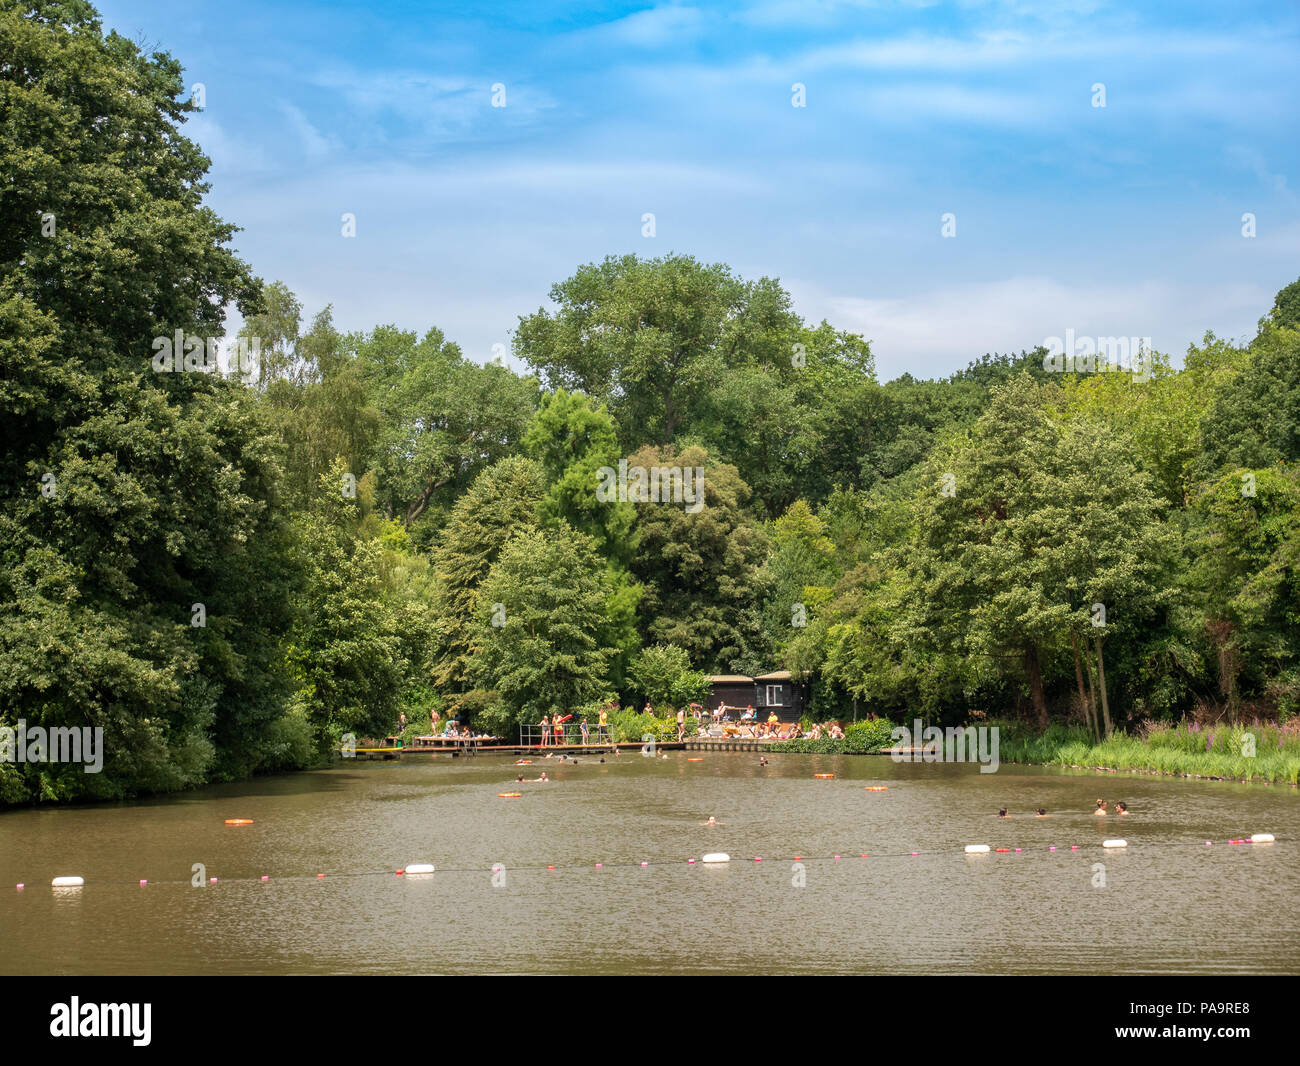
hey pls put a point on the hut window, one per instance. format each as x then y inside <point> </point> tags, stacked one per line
<point>774,696</point>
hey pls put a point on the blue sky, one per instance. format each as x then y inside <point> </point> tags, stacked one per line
<point>1117,221</point>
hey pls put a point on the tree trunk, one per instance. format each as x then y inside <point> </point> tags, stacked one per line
<point>1036,684</point>
<point>1083,696</point>
<point>414,510</point>
<point>1101,685</point>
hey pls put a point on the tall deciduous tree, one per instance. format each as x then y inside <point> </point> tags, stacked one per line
<point>501,504</point>
<point>537,626</point>
<point>146,567</point>
<point>652,336</point>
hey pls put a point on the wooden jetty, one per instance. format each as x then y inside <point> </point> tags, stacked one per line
<point>462,747</point>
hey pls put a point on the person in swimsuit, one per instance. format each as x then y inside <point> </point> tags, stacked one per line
<point>1121,807</point>
<point>681,726</point>
<point>1101,807</point>
<point>1042,812</point>
<point>546,730</point>
<point>1002,813</point>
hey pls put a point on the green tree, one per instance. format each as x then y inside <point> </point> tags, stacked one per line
<point>573,438</point>
<point>501,504</point>
<point>1247,572</point>
<point>701,569</point>
<point>1016,538</point>
<point>444,418</point>
<point>536,628</point>
<point>651,337</point>
<point>146,549</point>
<point>663,675</point>
<point>346,646</point>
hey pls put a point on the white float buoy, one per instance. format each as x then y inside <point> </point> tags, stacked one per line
<point>1262,838</point>
<point>68,882</point>
<point>972,849</point>
<point>420,868</point>
<point>1114,843</point>
<point>717,856</point>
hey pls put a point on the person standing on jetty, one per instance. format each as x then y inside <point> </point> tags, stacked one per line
<point>681,725</point>
<point>546,730</point>
<point>584,732</point>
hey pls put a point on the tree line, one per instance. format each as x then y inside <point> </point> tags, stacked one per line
<point>228,573</point>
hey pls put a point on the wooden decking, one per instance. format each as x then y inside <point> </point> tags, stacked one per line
<point>392,752</point>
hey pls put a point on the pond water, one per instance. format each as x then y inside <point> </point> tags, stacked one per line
<point>1167,904</point>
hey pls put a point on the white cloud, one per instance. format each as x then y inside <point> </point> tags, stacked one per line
<point>936,332</point>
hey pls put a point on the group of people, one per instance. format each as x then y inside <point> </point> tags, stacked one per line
<point>772,729</point>
<point>553,729</point>
<point>1120,808</point>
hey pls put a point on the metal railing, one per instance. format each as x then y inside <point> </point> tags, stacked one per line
<point>538,736</point>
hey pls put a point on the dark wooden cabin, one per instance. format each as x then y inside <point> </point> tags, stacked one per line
<point>775,692</point>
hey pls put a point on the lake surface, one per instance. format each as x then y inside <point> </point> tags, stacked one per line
<point>1170,904</point>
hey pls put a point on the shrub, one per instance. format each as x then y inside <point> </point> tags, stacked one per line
<point>873,735</point>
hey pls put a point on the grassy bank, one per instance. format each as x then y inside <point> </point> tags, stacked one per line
<point>1183,750</point>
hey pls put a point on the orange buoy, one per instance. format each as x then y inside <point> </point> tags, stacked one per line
<point>696,758</point>
<point>239,821</point>
<point>509,795</point>
<point>875,788</point>
<point>523,762</point>
<point>823,776</point>
<point>1001,849</point>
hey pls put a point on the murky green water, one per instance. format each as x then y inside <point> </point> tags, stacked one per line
<point>1170,905</point>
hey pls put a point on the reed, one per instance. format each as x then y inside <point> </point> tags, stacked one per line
<point>1182,749</point>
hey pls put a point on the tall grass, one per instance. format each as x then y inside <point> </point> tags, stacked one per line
<point>1183,749</point>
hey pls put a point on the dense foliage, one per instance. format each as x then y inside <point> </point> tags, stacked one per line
<point>228,573</point>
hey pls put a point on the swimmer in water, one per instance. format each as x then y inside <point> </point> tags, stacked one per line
<point>1101,807</point>
<point>1121,807</point>
<point>543,777</point>
<point>520,777</point>
<point>1002,813</point>
<point>762,760</point>
<point>1041,813</point>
